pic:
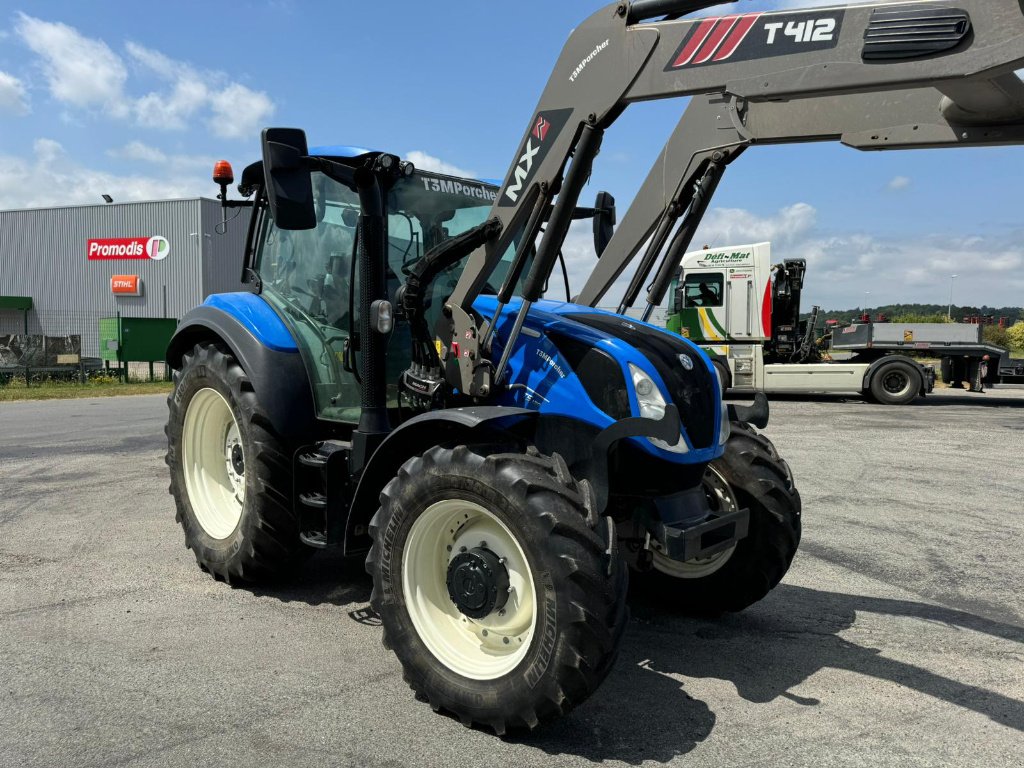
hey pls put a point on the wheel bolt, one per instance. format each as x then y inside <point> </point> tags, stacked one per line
<point>462,549</point>
<point>505,640</point>
<point>485,633</point>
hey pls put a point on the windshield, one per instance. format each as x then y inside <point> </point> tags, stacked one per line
<point>312,275</point>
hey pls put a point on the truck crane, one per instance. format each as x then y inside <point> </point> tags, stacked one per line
<point>532,455</point>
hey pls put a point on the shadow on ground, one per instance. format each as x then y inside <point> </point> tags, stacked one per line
<point>643,711</point>
<point>326,577</point>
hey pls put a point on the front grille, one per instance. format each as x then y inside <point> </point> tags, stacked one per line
<point>693,391</point>
<point>912,33</point>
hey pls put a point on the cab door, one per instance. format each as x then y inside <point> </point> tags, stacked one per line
<point>742,304</point>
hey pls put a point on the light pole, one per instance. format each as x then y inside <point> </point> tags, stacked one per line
<point>949,312</point>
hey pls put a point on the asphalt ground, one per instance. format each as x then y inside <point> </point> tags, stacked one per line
<point>896,639</point>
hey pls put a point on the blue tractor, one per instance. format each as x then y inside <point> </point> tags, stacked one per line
<point>314,411</point>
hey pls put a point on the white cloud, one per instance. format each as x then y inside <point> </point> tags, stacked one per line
<point>426,162</point>
<point>239,112</point>
<point>49,177</point>
<point>235,110</point>
<point>85,73</point>
<point>138,151</point>
<point>79,70</point>
<point>13,99</point>
<point>898,183</point>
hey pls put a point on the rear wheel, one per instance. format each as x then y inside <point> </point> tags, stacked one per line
<point>230,474</point>
<point>895,383</point>
<point>750,474</point>
<point>498,588</point>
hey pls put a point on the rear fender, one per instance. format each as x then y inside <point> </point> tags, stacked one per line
<point>276,373</point>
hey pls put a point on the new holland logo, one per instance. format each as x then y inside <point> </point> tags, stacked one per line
<point>756,36</point>
<point>543,131</point>
<point>686,361</point>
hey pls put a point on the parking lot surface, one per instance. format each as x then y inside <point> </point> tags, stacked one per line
<point>896,639</point>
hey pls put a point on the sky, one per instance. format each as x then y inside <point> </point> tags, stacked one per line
<point>137,100</point>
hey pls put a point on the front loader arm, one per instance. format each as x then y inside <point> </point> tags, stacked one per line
<point>921,118</point>
<point>865,74</point>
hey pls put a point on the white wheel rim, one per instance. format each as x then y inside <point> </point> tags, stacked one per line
<point>479,649</point>
<point>722,501</point>
<point>213,460</point>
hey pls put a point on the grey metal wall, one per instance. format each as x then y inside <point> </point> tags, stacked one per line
<point>43,254</point>
<point>222,265</point>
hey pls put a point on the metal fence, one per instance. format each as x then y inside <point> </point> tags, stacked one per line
<point>57,323</point>
<point>53,338</point>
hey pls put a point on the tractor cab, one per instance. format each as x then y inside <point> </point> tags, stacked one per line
<point>311,276</point>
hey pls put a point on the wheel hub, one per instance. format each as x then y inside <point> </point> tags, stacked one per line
<point>478,582</point>
<point>237,460</point>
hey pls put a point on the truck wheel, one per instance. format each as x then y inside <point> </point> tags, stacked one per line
<point>895,383</point>
<point>498,588</point>
<point>750,474</point>
<point>230,474</point>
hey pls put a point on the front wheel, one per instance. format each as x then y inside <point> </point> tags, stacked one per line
<point>750,474</point>
<point>498,588</point>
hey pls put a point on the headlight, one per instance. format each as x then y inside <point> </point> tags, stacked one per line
<point>652,406</point>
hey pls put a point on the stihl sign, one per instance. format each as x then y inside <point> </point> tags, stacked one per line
<point>108,248</point>
<point>125,285</point>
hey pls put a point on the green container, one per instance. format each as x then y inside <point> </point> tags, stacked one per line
<point>135,339</point>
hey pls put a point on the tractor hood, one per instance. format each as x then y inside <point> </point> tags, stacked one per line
<point>578,361</point>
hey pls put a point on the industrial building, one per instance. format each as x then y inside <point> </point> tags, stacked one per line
<point>64,269</point>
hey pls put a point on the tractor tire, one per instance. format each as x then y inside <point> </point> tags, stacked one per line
<point>500,590</point>
<point>723,374</point>
<point>750,474</point>
<point>230,472</point>
<point>895,383</point>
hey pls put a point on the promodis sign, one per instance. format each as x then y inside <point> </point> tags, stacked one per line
<point>108,248</point>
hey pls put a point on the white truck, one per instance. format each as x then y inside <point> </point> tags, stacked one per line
<point>745,312</point>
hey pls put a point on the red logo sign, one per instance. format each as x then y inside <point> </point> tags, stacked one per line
<point>540,130</point>
<point>126,285</point>
<point>110,248</point>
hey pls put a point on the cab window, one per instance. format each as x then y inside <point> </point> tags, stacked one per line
<point>703,290</point>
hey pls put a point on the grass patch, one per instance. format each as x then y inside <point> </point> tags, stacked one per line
<point>59,390</point>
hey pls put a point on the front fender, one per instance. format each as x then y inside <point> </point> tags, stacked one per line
<point>451,425</point>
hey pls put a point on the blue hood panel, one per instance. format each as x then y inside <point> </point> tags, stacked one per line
<point>542,379</point>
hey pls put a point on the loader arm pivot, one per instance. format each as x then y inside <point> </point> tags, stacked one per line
<point>879,76</point>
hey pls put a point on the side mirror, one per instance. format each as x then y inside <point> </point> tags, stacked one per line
<point>604,221</point>
<point>289,187</point>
